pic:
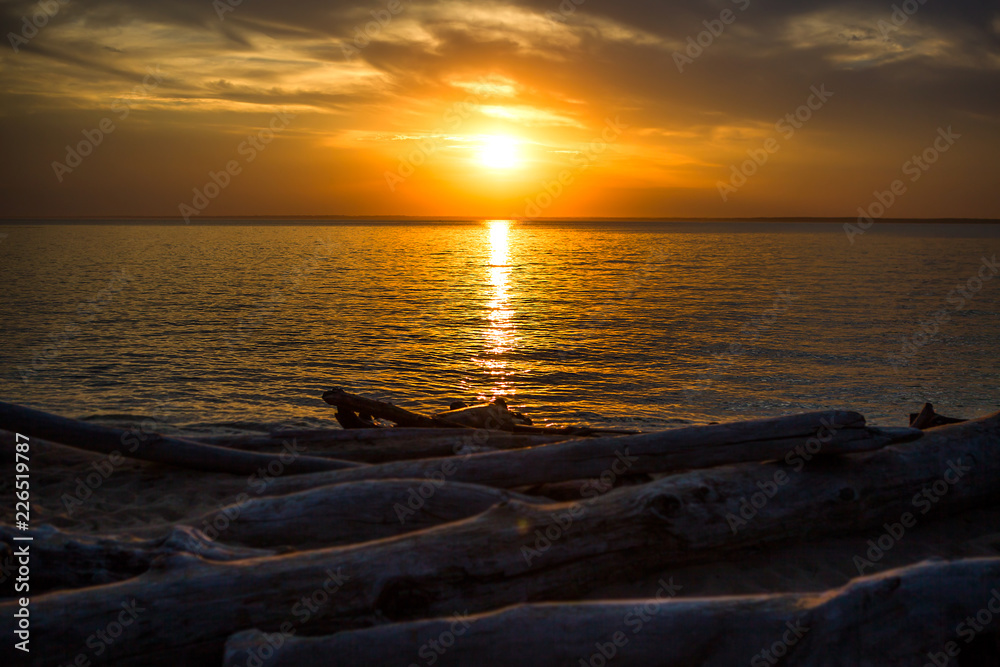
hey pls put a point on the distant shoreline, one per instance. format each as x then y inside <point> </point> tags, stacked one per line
<point>341,219</point>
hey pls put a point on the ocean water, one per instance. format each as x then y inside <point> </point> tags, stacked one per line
<point>242,326</point>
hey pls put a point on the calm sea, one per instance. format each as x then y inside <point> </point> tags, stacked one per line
<point>242,326</point>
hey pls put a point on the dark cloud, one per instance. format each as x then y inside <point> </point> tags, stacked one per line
<point>892,85</point>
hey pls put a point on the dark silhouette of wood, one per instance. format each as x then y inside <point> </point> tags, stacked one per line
<point>255,527</point>
<point>350,420</point>
<point>380,445</point>
<point>613,456</point>
<point>515,552</point>
<point>382,410</point>
<point>894,618</point>
<point>62,560</point>
<point>927,418</point>
<point>153,446</point>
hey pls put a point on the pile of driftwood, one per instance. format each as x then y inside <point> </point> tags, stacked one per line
<point>445,542</point>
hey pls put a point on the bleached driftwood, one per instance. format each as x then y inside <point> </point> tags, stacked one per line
<point>352,512</point>
<point>515,552</point>
<point>383,410</point>
<point>254,527</point>
<point>659,452</point>
<point>62,560</point>
<point>152,446</point>
<point>380,445</point>
<point>494,416</point>
<point>894,618</point>
<point>344,513</point>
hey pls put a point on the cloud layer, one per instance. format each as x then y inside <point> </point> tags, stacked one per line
<point>374,86</point>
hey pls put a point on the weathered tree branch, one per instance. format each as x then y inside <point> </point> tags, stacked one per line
<point>894,618</point>
<point>658,452</point>
<point>341,399</point>
<point>152,447</point>
<point>516,552</point>
<point>61,560</point>
<point>254,527</point>
<point>381,445</point>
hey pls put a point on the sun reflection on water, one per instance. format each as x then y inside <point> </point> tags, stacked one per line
<point>500,334</point>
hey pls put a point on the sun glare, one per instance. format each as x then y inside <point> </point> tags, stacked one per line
<point>499,152</point>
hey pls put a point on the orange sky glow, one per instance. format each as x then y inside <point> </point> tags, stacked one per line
<point>499,109</point>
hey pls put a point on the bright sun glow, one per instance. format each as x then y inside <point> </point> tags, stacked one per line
<point>499,152</point>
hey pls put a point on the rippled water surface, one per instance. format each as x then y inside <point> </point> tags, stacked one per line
<point>644,325</point>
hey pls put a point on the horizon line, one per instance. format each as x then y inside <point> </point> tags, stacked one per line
<point>427,218</point>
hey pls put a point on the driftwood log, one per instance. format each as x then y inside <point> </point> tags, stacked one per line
<point>660,452</point>
<point>349,513</point>
<point>62,560</point>
<point>381,445</point>
<point>575,431</point>
<point>515,552</point>
<point>354,403</point>
<point>898,617</point>
<point>339,514</point>
<point>253,527</point>
<point>493,415</point>
<point>152,446</point>
<point>927,418</point>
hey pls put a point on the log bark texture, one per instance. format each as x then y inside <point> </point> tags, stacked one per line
<point>350,513</point>
<point>895,618</point>
<point>341,514</point>
<point>658,452</point>
<point>381,445</point>
<point>515,553</point>
<point>342,399</point>
<point>254,527</point>
<point>152,446</point>
<point>62,560</point>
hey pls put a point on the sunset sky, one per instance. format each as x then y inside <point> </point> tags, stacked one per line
<point>499,109</point>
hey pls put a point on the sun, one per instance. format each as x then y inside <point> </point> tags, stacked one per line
<point>499,152</point>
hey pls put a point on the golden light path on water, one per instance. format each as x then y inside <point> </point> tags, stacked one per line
<point>500,334</point>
